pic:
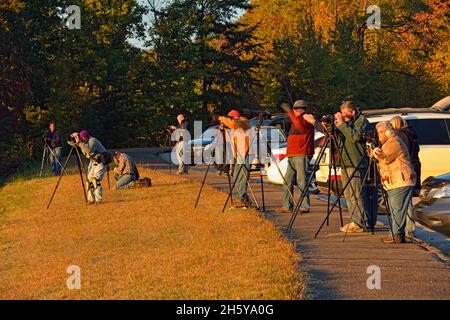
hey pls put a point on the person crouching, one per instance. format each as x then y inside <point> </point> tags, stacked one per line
<point>126,171</point>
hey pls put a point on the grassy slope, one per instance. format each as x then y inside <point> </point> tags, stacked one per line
<point>139,244</point>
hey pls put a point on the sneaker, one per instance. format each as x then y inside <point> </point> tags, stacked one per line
<point>304,210</point>
<point>391,240</point>
<point>351,228</point>
<point>241,204</point>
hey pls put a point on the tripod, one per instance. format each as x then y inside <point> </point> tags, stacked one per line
<point>333,145</point>
<point>81,169</point>
<point>46,152</point>
<point>242,160</point>
<point>224,154</point>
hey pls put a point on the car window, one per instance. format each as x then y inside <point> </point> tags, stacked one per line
<point>431,131</point>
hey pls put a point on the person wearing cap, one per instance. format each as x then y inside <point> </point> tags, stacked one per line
<point>93,150</point>
<point>300,145</point>
<point>126,171</point>
<point>181,129</point>
<point>240,140</point>
<point>350,123</point>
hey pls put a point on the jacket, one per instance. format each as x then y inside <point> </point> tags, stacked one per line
<point>92,149</point>
<point>127,165</point>
<point>395,165</point>
<point>409,137</point>
<point>352,149</point>
<point>301,137</point>
<point>240,136</point>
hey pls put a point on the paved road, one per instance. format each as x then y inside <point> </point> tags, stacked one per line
<point>336,269</point>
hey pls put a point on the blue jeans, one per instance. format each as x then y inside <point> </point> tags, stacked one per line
<point>123,182</point>
<point>355,195</point>
<point>296,171</point>
<point>55,160</point>
<point>243,172</point>
<point>399,200</point>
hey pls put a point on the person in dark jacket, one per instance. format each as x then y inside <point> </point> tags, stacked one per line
<point>350,123</point>
<point>300,145</point>
<point>53,140</point>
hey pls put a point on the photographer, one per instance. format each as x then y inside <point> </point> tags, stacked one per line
<point>409,137</point>
<point>53,140</point>
<point>94,151</point>
<point>239,130</point>
<point>350,123</point>
<point>300,145</point>
<point>183,124</point>
<point>126,171</point>
<point>397,176</point>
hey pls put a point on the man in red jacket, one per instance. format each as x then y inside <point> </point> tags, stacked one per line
<point>300,145</point>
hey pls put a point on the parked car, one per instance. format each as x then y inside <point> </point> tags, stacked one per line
<point>433,210</point>
<point>199,144</point>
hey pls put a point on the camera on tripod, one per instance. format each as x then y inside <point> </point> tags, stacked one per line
<point>370,138</point>
<point>46,139</point>
<point>72,141</point>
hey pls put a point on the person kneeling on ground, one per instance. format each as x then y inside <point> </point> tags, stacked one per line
<point>397,176</point>
<point>126,171</point>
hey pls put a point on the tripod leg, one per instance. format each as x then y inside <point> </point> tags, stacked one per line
<point>302,196</point>
<point>107,176</point>
<point>42,163</point>
<point>79,163</point>
<point>59,179</point>
<point>203,184</point>
<point>232,188</point>
<point>388,211</point>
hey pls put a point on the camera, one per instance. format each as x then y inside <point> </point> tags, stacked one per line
<point>46,139</point>
<point>327,119</point>
<point>370,138</point>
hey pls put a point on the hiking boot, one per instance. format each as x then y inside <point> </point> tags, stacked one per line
<point>391,240</point>
<point>282,210</point>
<point>351,228</point>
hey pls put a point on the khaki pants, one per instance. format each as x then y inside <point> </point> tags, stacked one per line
<point>96,171</point>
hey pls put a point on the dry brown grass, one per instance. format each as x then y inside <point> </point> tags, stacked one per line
<point>139,244</point>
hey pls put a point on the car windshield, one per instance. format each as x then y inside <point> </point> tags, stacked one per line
<point>429,131</point>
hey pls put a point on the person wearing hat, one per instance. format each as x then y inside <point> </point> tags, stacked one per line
<point>300,145</point>
<point>182,127</point>
<point>240,140</point>
<point>93,150</point>
<point>350,123</point>
<point>126,171</point>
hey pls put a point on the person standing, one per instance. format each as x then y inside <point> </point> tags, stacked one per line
<point>53,140</point>
<point>397,176</point>
<point>180,147</point>
<point>350,123</point>
<point>409,138</point>
<point>93,150</point>
<point>240,140</point>
<point>300,145</point>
